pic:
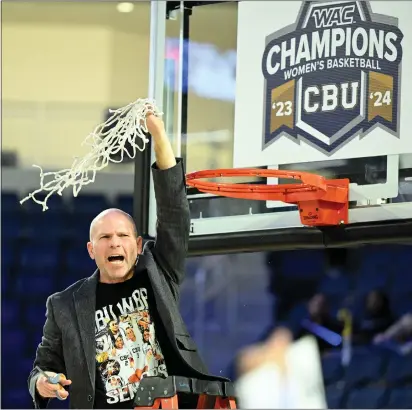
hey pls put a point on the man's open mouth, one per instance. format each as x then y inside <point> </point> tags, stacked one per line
<point>116,259</point>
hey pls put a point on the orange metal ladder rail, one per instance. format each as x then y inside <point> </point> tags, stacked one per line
<point>162,393</point>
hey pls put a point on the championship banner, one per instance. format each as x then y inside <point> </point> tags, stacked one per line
<point>330,81</point>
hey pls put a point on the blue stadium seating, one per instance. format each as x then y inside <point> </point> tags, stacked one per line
<point>35,313</point>
<point>366,398</point>
<point>5,287</point>
<point>334,397</point>
<point>296,263</point>
<point>51,225</point>
<point>25,367</point>
<point>401,283</point>
<point>401,303</point>
<point>378,258</point>
<point>89,204</point>
<point>336,289</point>
<point>67,279</point>
<point>11,226</point>
<point>10,202</point>
<point>125,203</point>
<point>40,255</point>
<point>8,255</point>
<point>400,399</point>
<point>78,227</point>
<point>34,334</point>
<point>14,344</point>
<point>370,279</point>
<point>332,368</point>
<point>35,284</point>
<point>10,312</point>
<point>16,399</point>
<point>335,286</point>
<point>77,259</point>
<point>365,367</point>
<point>399,370</point>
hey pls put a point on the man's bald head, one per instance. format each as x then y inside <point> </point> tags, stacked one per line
<point>114,245</point>
<point>111,212</point>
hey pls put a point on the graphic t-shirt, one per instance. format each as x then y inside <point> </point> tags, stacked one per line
<point>127,346</point>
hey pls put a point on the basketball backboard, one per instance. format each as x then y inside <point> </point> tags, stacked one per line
<point>305,85</point>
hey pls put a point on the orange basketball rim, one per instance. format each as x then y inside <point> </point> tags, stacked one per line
<point>320,201</point>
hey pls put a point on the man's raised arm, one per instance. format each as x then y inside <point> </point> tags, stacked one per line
<point>173,216</point>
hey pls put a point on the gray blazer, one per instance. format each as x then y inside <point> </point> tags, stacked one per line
<point>68,342</point>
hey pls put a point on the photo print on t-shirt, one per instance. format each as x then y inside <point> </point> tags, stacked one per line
<point>126,346</point>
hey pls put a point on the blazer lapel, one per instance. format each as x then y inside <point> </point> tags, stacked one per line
<point>85,303</point>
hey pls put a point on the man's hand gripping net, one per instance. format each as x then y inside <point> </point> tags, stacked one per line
<point>129,123</point>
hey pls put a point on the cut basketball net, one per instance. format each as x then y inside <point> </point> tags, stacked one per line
<point>125,125</point>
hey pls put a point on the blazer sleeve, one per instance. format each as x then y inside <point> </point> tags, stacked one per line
<point>173,221</point>
<point>49,355</point>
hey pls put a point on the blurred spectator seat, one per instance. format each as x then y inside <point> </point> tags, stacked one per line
<point>400,399</point>
<point>89,205</point>
<point>366,398</point>
<point>125,203</point>
<point>399,370</point>
<point>332,368</point>
<point>41,254</point>
<point>334,397</point>
<point>365,368</point>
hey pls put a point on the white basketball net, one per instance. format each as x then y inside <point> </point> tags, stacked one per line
<point>129,125</point>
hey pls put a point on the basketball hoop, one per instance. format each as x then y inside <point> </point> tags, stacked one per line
<point>320,201</point>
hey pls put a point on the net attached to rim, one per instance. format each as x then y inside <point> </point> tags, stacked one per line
<point>125,125</point>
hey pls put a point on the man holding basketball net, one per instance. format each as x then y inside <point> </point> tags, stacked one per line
<point>84,339</point>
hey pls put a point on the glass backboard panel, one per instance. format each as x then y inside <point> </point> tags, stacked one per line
<point>284,85</point>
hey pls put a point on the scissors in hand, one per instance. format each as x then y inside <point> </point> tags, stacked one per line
<point>52,379</point>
